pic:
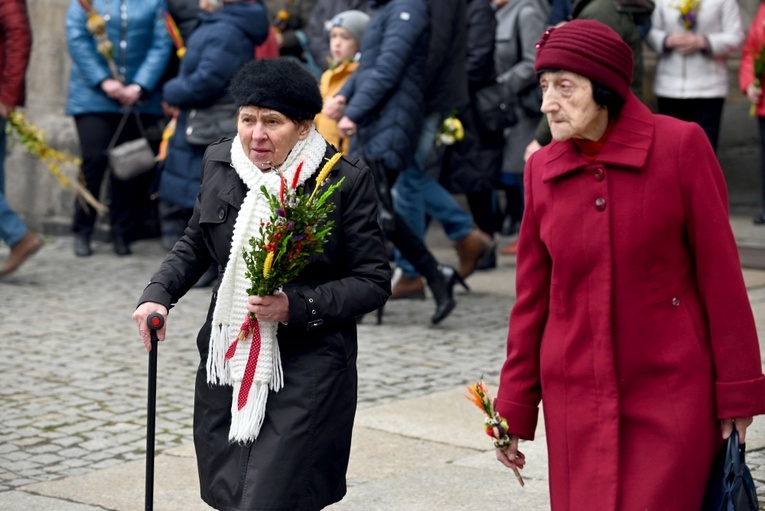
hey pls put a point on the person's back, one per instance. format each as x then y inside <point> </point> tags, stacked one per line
<point>385,97</point>
<point>446,68</point>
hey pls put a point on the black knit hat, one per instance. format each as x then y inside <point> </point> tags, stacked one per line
<point>280,84</point>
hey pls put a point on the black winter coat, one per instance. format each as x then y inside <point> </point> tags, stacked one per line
<point>474,164</point>
<point>446,69</point>
<point>300,457</point>
<point>385,97</point>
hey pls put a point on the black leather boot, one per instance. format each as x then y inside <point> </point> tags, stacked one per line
<point>121,246</point>
<point>442,285</point>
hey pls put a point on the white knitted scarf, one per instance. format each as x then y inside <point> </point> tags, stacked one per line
<point>231,306</point>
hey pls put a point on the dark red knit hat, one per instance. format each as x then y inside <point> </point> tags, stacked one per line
<point>588,48</point>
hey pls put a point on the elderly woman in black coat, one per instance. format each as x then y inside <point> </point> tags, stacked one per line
<point>287,445</point>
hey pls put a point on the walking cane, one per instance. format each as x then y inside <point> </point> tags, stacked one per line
<point>155,321</point>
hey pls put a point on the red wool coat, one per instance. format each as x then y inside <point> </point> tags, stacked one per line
<point>632,321</point>
<point>15,47</point>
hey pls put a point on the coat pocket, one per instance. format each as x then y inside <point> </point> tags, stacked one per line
<point>668,284</point>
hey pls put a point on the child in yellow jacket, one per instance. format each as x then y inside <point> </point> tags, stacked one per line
<point>344,45</point>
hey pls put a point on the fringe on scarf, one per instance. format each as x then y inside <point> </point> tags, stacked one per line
<point>246,423</point>
<point>230,308</point>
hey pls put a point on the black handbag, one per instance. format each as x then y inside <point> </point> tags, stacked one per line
<point>132,158</point>
<point>494,108</point>
<point>731,487</point>
<point>207,125</point>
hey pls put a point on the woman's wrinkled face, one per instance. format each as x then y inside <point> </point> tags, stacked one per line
<point>570,108</point>
<point>268,136</point>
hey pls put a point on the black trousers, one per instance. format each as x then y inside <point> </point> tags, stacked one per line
<point>129,199</point>
<point>413,249</point>
<point>706,112</point>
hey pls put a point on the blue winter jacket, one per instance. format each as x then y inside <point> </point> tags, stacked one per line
<point>384,95</point>
<point>140,55</point>
<point>222,43</point>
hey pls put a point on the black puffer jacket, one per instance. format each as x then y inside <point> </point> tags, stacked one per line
<point>385,97</point>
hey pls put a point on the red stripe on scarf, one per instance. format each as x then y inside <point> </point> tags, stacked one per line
<point>249,370</point>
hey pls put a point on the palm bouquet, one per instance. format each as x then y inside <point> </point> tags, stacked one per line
<point>494,424</point>
<point>298,228</point>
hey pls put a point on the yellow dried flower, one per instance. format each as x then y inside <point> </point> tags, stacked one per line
<point>325,170</point>
<point>105,48</point>
<point>96,24</point>
<point>268,263</point>
<point>33,140</point>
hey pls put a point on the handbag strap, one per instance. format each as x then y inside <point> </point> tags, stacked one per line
<point>121,127</point>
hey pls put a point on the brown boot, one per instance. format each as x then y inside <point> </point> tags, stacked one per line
<point>470,249</point>
<point>409,288</point>
<point>20,252</point>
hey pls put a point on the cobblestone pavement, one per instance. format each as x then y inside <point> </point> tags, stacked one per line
<point>73,371</point>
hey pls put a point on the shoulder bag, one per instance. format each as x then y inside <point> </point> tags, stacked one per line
<point>494,108</point>
<point>207,125</point>
<point>133,158</point>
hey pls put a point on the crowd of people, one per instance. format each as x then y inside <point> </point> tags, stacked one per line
<point>628,280</point>
<point>389,119</point>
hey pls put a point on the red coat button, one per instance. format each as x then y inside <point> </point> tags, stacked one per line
<point>600,204</point>
<point>599,174</point>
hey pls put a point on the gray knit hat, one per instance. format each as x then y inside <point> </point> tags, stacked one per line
<point>353,21</point>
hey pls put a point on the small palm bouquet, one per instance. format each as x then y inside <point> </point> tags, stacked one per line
<point>450,131</point>
<point>689,10</point>
<point>33,139</point>
<point>96,25</point>
<point>494,425</point>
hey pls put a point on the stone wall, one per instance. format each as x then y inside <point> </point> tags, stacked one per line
<point>34,193</point>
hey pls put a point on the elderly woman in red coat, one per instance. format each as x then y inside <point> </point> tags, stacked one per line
<point>632,321</point>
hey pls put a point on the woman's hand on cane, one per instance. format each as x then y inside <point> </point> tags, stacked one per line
<point>141,314</point>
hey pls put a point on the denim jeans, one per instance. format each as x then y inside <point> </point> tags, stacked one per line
<point>415,194</point>
<point>12,227</point>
